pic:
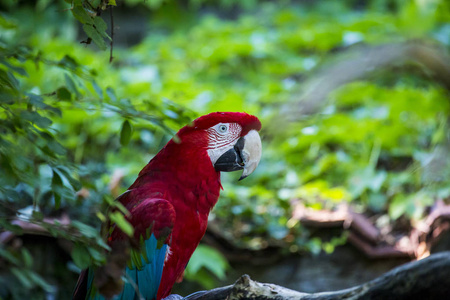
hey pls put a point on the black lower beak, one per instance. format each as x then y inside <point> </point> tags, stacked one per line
<point>232,159</point>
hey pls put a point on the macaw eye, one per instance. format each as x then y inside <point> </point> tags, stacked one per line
<point>223,128</point>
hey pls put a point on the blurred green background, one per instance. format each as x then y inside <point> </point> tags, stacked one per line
<point>353,97</point>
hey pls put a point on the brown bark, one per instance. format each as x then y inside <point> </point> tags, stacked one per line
<point>425,279</point>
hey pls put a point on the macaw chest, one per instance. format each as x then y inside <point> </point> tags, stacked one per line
<point>189,229</point>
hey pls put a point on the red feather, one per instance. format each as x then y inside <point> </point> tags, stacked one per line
<point>180,186</point>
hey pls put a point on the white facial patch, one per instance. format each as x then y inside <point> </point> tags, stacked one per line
<point>222,138</point>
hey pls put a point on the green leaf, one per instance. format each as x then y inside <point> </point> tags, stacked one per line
<point>66,173</point>
<point>11,227</point>
<point>97,89</point>
<point>122,223</point>
<point>377,201</point>
<point>39,102</point>
<point>27,258</point>
<point>208,258</point>
<point>377,181</point>
<point>56,188</point>
<point>96,255</point>
<point>23,278</point>
<point>7,255</point>
<point>37,215</point>
<point>18,70</point>
<point>98,4</point>
<point>56,179</point>
<point>95,36</point>
<point>63,94</point>
<point>112,2</point>
<point>111,94</point>
<point>68,62</point>
<point>6,98</point>
<point>35,118</point>
<point>53,148</point>
<point>8,80</point>
<point>81,15</point>
<point>125,133</point>
<point>80,256</point>
<point>40,281</point>
<point>8,24</point>
<point>85,230</point>
<point>202,277</point>
<point>398,206</point>
<point>71,85</point>
<point>118,205</point>
<point>101,26</point>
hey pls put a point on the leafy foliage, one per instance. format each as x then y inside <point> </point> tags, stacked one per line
<point>204,261</point>
<point>69,119</point>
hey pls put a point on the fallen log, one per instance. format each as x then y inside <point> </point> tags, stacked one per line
<point>428,278</point>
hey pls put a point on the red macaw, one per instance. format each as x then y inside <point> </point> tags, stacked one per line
<point>170,201</point>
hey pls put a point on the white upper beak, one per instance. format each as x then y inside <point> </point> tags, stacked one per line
<point>251,153</point>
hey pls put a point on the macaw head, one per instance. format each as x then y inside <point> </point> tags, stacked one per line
<point>231,140</point>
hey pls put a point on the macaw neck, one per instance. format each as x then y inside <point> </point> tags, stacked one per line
<point>186,173</point>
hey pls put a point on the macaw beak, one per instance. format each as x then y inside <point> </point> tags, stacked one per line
<point>245,154</point>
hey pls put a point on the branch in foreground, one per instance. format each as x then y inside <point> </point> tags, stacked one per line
<point>425,279</point>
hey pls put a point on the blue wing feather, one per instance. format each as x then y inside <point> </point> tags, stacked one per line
<point>91,290</point>
<point>147,278</point>
<point>153,220</point>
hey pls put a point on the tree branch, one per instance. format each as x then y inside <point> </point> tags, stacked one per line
<point>425,279</point>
